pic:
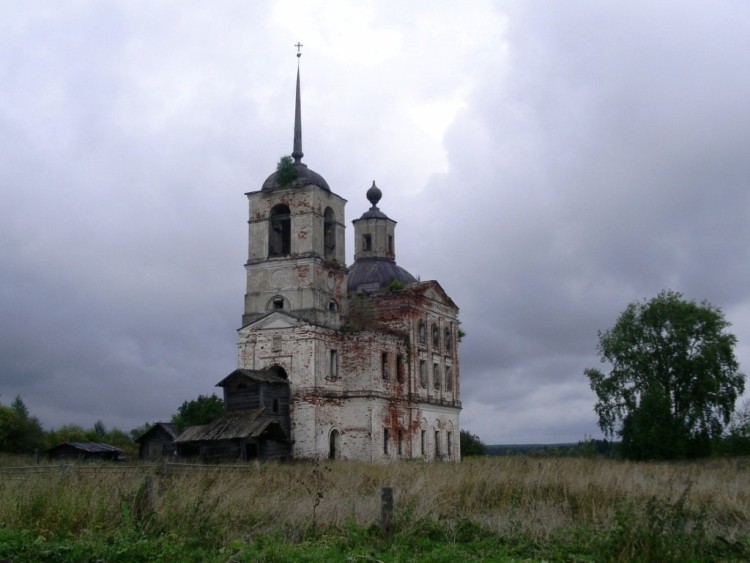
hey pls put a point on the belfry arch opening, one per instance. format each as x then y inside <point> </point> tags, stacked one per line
<point>329,234</point>
<point>279,231</point>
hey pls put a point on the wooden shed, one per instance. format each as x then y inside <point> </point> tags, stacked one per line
<point>157,441</point>
<point>254,425</point>
<point>85,451</point>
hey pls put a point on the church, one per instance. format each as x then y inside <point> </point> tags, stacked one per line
<point>353,362</point>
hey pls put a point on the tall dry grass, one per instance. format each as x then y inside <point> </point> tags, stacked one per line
<point>509,496</point>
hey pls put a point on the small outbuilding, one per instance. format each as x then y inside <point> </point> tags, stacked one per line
<point>157,441</point>
<point>254,425</point>
<point>85,451</point>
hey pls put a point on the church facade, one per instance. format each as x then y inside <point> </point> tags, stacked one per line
<point>369,352</point>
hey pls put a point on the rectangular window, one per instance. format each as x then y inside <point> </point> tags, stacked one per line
<point>437,443</point>
<point>436,375</point>
<point>384,364</point>
<point>424,442</point>
<point>400,368</point>
<point>390,244</point>
<point>367,242</point>
<point>448,378</point>
<point>276,344</point>
<point>386,439</point>
<point>422,373</point>
<point>449,437</point>
<point>334,364</point>
<point>400,442</point>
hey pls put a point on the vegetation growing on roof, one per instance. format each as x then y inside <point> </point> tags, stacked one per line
<point>395,285</point>
<point>286,173</point>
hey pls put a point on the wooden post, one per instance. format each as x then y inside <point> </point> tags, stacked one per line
<point>150,494</point>
<point>386,510</point>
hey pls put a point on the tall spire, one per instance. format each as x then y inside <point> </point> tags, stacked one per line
<point>297,153</point>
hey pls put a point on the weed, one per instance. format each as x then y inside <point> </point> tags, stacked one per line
<point>316,482</point>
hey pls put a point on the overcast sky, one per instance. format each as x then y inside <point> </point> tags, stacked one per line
<point>547,162</point>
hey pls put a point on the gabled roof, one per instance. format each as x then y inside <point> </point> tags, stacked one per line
<point>276,319</point>
<point>167,427</point>
<point>233,425</point>
<point>433,290</point>
<point>265,376</point>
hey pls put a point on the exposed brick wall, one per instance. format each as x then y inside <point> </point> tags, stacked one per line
<point>371,400</point>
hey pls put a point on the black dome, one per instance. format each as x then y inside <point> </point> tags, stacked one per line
<point>305,176</point>
<point>372,274</point>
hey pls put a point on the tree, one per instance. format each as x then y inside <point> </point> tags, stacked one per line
<point>69,433</point>
<point>202,410</point>
<point>738,440</point>
<point>19,431</point>
<point>673,381</point>
<point>471,444</point>
<point>100,430</point>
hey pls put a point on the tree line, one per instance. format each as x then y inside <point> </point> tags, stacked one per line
<point>669,391</point>
<point>22,433</point>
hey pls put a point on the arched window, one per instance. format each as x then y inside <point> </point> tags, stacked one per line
<point>329,234</point>
<point>333,364</point>
<point>279,231</point>
<point>334,450</point>
<point>449,378</point>
<point>277,302</point>
<point>435,337</point>
<point>448,340</point>
<point>421,332</point>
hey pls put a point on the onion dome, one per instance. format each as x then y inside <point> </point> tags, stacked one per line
<point>373,274</point>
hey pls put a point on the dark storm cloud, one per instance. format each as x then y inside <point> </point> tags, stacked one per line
<point>610,167</point>
<point>547,164</point>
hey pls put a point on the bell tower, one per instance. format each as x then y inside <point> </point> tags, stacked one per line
<point>296,249</point>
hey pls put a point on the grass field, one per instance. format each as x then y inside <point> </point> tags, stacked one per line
<point>497,509</point>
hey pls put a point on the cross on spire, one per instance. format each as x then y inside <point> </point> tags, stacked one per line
<point>299,48</point>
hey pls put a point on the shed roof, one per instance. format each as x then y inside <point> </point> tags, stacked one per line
<point>168,427</point>
<point>88,447</point>
<point>232,425</point>
<point>266,376</point>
